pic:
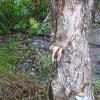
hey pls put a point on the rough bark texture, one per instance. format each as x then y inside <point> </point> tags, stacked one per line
<point>70,20</point>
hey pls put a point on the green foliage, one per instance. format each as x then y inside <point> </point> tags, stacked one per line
<point>40,10</point>
<point>9,56</point>
<point>34,26</point>
<point>21,25</point>
<point>37,28</point>
<point>15,14</point>
<point>97,89</point>
<point>4,24</point>
<point>99,5</point>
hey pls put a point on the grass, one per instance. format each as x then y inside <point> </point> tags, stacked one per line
<point>20,87</point>
<point>43,70</point>
<point>9,56</point>
<point>97,89</point>
<point>13,55</point>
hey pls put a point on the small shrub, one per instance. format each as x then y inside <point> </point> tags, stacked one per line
<point>15,14</point>
<point>21,25</point>
<point>40,9</point>
<point>37,28</point>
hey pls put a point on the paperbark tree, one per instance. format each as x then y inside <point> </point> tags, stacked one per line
<point>72,73</point>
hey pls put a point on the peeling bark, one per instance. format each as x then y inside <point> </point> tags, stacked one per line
<point>70,20</point>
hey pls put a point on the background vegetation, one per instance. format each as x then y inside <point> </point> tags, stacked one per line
<point>23,68</point>
<point>24,16</point>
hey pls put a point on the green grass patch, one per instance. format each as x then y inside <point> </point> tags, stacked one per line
<point>97,87</point>
<point>32,60</point>
<point>9,56</point>
<point>43,70</point>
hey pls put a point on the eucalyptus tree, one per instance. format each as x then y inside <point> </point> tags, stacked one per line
<point>72,69</point>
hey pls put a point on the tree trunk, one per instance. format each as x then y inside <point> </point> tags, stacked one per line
<point>72,72</point>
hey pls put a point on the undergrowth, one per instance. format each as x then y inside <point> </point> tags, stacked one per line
<point>9,55</point>
<point>15,14</point>
<point>22,68</point>
<point>97,89</point>
<point>20,87</point>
